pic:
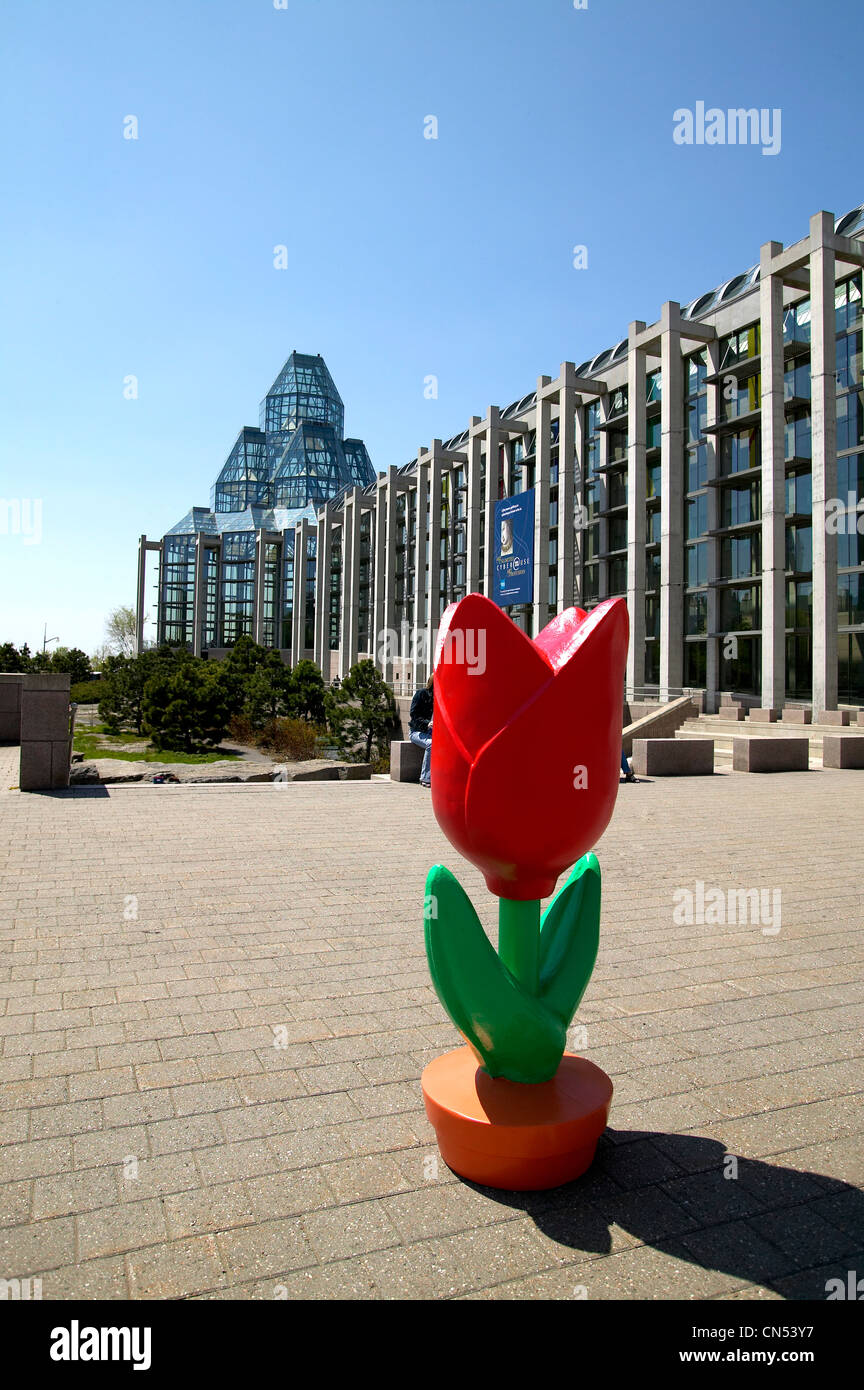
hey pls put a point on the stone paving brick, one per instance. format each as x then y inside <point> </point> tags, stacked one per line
<point>124,1226</point>
<point>175,1269</point>
<point>341,1232</point>
<point>268,1247</point>
<point>310,1164</point>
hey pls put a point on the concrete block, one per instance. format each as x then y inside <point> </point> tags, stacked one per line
<point>673,757</point>
<point>354,772</point>
<point>797,716</point>
<point>736,712</point>
<point>861,718</point>
<point>44,714</point>
<point>61,757</point>
<point>763,716</point>
<point>839,750</point>
<point>406,760</point>
<point>10,695</point>
<point>770,754</point>
<point>838,718</point>
<point>10,726</point>
<point>35,766</point>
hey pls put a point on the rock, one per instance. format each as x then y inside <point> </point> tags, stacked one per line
<point>84,774</point>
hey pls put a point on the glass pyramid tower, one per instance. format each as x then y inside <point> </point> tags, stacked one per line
<point>275,476</point>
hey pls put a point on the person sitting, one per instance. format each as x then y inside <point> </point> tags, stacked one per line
<point>420,726</point>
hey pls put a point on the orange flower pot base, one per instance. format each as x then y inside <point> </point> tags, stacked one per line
<point>522,1138</point>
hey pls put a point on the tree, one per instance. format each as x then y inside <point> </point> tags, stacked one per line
<point>306,693</point>
<point>187,707</point>
<point>267,691</point>
<point>123,681</point>
<point>13,660</point>
<point>73,661</point>
<point>121,631</point>
<point>245,656</point>
<point>362,709</point>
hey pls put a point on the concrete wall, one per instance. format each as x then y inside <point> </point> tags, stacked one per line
<point>34,711</point>
<point>662,721</point>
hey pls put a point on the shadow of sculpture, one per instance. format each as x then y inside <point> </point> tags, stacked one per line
<point>788,1231</point>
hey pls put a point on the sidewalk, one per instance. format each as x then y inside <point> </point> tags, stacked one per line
<point>215,1008</point>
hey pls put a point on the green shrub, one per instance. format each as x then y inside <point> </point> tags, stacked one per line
<point>87,693</point>
<point>361,713</point>
<point>293,740</point>
<point>188,707</point>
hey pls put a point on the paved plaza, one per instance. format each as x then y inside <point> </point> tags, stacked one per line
<point>215,1008</point>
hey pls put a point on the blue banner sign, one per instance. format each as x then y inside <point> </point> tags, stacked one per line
<point>514,550</point>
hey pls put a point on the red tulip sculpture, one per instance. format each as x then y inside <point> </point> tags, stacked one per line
<point>526,757</point>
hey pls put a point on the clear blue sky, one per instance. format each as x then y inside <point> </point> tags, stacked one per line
<point>303,126</point>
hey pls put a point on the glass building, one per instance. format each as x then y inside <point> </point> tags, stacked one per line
<point>229,571</point>
<point>709,467</point>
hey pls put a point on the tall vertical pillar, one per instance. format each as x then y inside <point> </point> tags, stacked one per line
<point>773,483</point>
<point>435,475</point>
<point>323,523</point>
<point>350,582</point>
<point>421,657</point>
<point>380,570</point>
<point>636,489</point>
<point>570,459</point>
<point>712,652</point>
<point>601,487</point>
<point>258,587</point>
<point>199,596</point>
<point>298,624</point>
<point>493,477</point>
<point>142,581</point>
<point>543,459</point>
<point>390,637</point>
<point>671,505</point>
<point>473,578</point>
<point>823,392</point>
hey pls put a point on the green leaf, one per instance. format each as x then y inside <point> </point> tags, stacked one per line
<point>512,1033</point>
<point>569,939</point>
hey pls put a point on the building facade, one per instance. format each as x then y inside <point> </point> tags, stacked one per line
<point>230,570</point>
<point>709,467</point>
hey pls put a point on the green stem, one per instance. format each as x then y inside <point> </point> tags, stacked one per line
<point>519,940</point>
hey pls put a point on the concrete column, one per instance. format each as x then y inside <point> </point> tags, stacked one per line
<point>323,524</point>
<point>200,596</point>
<point>602,494</point>
<point>380,568</point>
<point>823,390</point>
<point>435,475</point>
<point>542,464</point>
<point>570,459</point>
<point>671,504</point>
<point>636,489</point>
<point>422,658</point>
<point>389,614</point>
<point>258,592</point>
<point>773,483</point>
<point>472,507</point>
<point>298,624</point>
<point>493,439</point>
<point>350,583</point>
<point>142,581</point>
<point>712,664</point>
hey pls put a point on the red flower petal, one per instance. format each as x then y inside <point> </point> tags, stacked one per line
<point>556,639</point>
<point>486,670</point>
